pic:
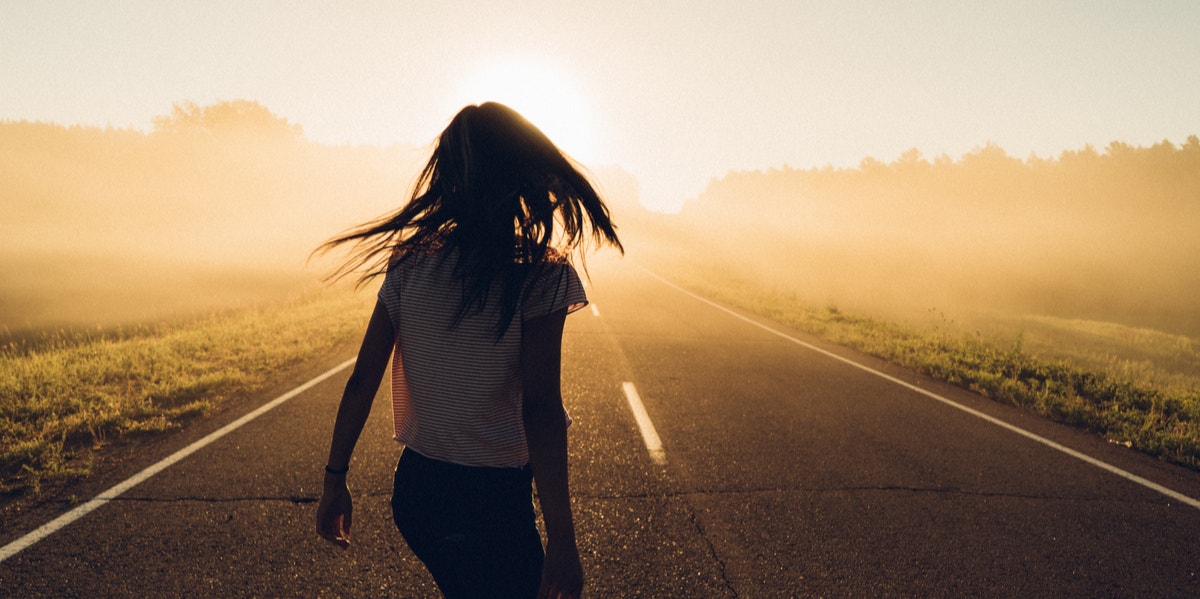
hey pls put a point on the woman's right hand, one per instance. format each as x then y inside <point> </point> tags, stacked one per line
<point>334,513</point>
<point>335,510</point>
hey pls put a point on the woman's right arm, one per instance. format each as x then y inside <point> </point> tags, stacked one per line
<point>334,513</point>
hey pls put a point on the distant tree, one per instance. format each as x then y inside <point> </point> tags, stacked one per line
<point>1085,157</point>
<point>1120,151</point>
<point>232,117</point>
<point>870,166</point>
<point>1036,162</point>
<point>911,163</point>
<point>990,157</point>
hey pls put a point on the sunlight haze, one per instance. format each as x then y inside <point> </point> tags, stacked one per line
<point>548,98</point>
<point>675,92</point>
<point>807,231</point>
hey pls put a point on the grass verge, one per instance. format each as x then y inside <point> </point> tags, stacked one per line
<point>64,396</point>
<point>1075,374</point>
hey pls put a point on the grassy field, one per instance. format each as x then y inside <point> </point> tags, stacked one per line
<point>72,290</point>
<point>64,395</point>
<point>1136,387</point>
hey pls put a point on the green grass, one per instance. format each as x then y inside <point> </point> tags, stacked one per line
<point>1136,387</point>
<point>63,396</point>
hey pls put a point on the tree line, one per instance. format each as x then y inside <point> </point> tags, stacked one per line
<point>228,181</point>
<point>1109,233</point>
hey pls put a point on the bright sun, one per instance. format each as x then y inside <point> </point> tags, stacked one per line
<point>546,97</point>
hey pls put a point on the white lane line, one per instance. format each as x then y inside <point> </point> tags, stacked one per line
<point>54,525</point>
<point>595,311</point>
<point>649,435</point>
<point>1149,484</point>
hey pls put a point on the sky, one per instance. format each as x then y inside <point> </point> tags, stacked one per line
<point>677,93</point>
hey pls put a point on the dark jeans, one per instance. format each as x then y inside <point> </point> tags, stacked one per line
<point>473,527</point>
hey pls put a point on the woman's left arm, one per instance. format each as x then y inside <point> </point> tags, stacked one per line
<point>546,433</point>
<point>334,513</point>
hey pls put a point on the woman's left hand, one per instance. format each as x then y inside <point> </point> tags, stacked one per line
<point>335,512</point>
<point>562,574</point>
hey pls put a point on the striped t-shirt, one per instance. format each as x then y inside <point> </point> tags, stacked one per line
<point>456,390</point>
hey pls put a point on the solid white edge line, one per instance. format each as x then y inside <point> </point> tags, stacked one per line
<point>80,511</point>
<point>1149,484</point>
<point>649,435</point>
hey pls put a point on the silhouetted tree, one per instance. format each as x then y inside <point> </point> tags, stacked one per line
<point>236,117</point>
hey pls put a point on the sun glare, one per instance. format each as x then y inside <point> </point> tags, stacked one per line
<point>548,98</point>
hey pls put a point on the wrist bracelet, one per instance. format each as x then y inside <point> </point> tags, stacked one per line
<point>332,471</point>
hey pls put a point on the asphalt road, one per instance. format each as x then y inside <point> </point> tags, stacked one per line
<point>787,473</point>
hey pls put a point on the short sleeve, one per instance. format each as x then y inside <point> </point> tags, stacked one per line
<point>389,295</point>
<point>557,287</point>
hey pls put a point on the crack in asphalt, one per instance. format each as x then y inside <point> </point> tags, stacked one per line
<point>296,499</point>
<point>884,488</point>
<point>712,550</point>
<point>306,499</point>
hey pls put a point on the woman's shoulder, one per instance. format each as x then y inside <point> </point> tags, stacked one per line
<point>416,251</point>
<point>557,258</point>
<point>553,267</point>
<point>555,285</point>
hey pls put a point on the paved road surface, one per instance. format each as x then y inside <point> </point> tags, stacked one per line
<point>787,473</point>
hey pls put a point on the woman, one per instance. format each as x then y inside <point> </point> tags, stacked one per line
<point>476,290</point>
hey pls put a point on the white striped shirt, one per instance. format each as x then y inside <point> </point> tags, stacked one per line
<point>456,391</point>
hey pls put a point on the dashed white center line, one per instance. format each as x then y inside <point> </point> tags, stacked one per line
<point>649,435</point>
<point>595,310</point>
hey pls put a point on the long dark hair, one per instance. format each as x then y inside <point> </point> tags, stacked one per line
<point>498,191</point>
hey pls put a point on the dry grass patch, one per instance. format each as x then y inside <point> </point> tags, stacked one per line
<point>62,396</point>
<point>1135,387</point>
